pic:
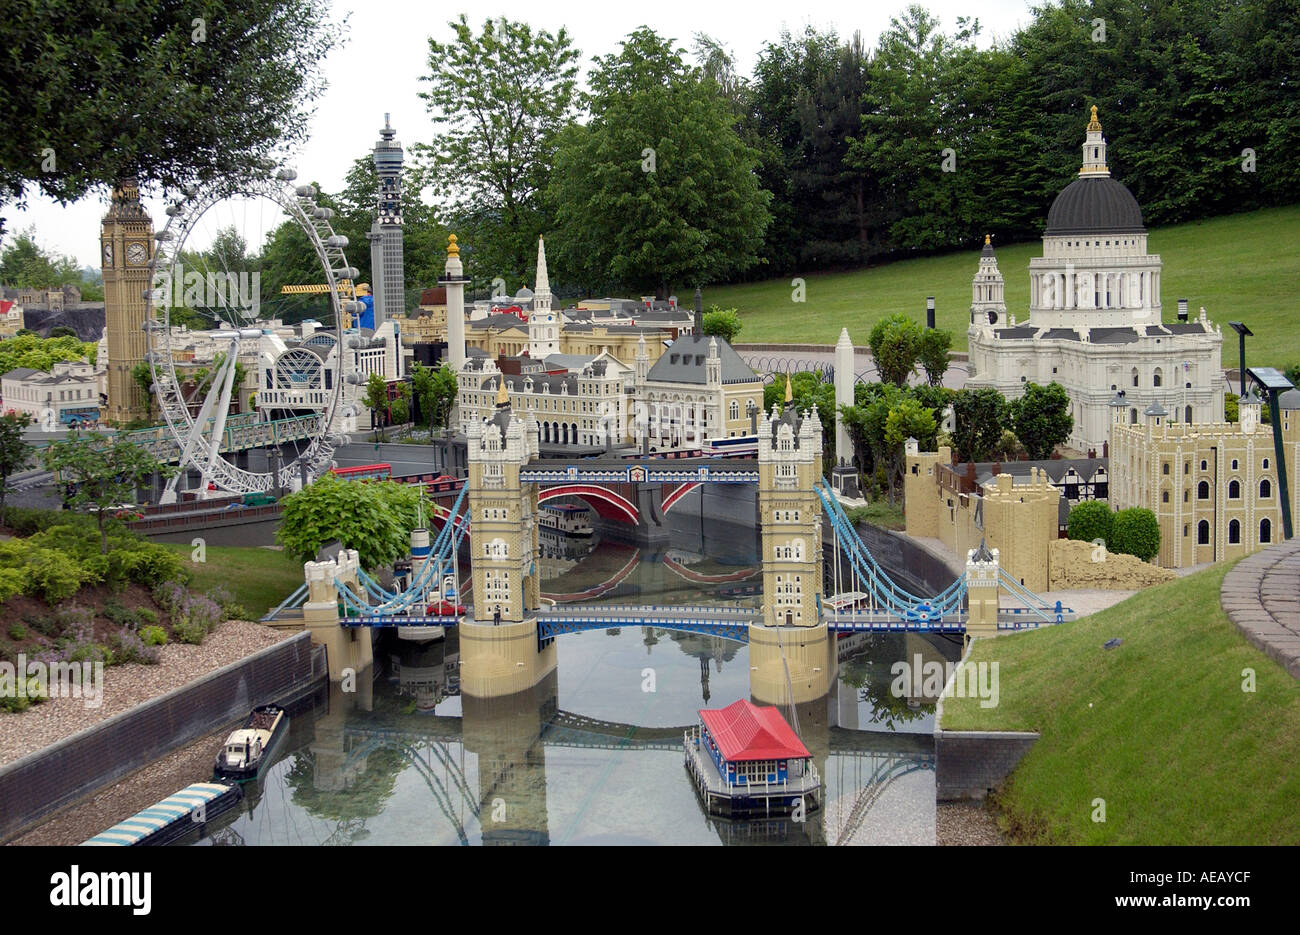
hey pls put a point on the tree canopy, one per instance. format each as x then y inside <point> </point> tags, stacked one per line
<point>1042,419</point>
<point>657,189</point>
<point>499,99</point>
<point>96,91</point>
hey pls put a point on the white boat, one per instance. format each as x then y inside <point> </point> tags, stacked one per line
<point>567,519</point>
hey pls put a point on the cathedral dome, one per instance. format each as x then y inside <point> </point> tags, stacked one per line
<point>1097,205</point>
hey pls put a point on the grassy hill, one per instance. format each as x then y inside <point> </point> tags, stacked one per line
<point>1160,727</point>
<point>1243,267</point>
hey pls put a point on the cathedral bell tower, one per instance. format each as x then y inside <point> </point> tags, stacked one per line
<point>126,247</point>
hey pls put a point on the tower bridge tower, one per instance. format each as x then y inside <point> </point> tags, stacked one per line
<point>499,650</point>
<point>792,660</point>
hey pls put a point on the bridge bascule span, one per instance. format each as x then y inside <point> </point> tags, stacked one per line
<point>507,629</point>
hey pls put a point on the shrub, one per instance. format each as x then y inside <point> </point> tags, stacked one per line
<point>187,632</point>
<point>144,616</point>
<point>153,636</point>
<point>127,646</point>
<point>12,581</point>
<point>17,632</point>
<point>52,576</point>
<point>170,596</point>
<point>1090,520</point>
<point>1137,533</point>
<point>119,614</point>
<point>195,619</point>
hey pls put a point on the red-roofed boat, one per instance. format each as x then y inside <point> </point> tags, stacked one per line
<point>746,760</point>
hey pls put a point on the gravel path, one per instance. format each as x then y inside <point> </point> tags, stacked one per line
<point>128,685</point>
<point>966,823</point>
<point>129,795</point>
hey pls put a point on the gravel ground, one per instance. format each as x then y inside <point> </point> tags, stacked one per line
<point>966,823</point>
<point>129,685</point>
<point>129,795</point>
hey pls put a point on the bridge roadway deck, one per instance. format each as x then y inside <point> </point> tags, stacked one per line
<point>647,470</point>
<point>718,620</point>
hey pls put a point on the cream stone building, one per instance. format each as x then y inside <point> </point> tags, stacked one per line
<point>699,389</point>
<point>1095,317</point>
<point>68,393</point>
<point>1019,517</point>
<point>1213,486</point>
<point>588,408</point>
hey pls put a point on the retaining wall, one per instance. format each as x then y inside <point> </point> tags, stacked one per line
<point>49,779</point>
<point>971,763</point>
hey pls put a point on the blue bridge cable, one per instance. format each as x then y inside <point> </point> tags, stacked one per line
<point>894,598</point>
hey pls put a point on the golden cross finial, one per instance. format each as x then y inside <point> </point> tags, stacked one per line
<point>789,392</point>
<point>452,248</point>
<point>1094,123</point>
<point>987,240</point>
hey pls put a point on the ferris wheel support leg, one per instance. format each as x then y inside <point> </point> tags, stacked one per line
<point>227,378</point>
<point>191,447</point>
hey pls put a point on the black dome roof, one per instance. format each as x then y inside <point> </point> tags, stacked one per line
<point>1094,206</point>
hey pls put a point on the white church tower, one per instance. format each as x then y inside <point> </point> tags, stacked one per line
<point>543,327</point>
<point>988,307</point>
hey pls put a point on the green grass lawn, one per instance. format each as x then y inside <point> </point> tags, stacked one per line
<point>1243,267</point>
<point>1159,728</point>
<point>259,578</point>
<point>879,513</point>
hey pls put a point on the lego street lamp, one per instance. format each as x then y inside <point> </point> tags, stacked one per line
<point>1242,333</point>
<point>1276,383</point>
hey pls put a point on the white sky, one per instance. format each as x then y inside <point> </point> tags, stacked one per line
<point>379,67</point>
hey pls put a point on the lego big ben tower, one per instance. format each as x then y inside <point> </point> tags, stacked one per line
<point>126,243</point>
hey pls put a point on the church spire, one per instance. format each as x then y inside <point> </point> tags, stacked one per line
<point>1094,150</point>
<point>543,283</point>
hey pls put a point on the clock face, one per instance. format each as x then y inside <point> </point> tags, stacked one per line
<point>136,254</point>
<point>108,254</point>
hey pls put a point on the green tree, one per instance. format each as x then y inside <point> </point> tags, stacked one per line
<point>1041,418</point>
<point>1136,532</point>
<point>376,397</point>
<point>906,419</point>
<point>25,264</point>
<point>373,517</point>
<point>723,322</point>
<point>31,350</point>
<point>103,471</point>
<point>15,452</point>
<point>401,411</point>
<point>979,417</point>
<point>657,189</point>
<point>498,100</point>
<point>933,354</point>
<point>1090,520</point>
<point>176,94</point>
<point>1231,407</point>
<point>435,391</point>
<point>895,345</point>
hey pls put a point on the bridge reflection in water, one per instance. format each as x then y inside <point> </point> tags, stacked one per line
<point>408,760</point>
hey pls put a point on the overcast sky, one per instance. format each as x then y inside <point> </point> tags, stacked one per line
<point>378,70</point>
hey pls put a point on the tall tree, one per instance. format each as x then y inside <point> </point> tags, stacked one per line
<point>895,345</point>
<point>103,471</point>
<point>15,452</point>
<point>499,99</point>
<point>658,189</point>
<point>1041,418</point>
<point>95,91</point>
<point>979,416</point>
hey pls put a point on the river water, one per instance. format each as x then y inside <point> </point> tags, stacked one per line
<point>594,754</point>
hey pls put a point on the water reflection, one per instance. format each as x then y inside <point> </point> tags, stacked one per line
<point>587,757</point>
<point>593,755</point>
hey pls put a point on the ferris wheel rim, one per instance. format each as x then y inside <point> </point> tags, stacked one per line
<point>185,212</point>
